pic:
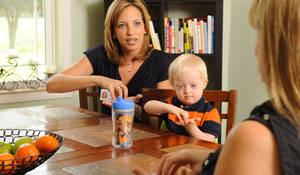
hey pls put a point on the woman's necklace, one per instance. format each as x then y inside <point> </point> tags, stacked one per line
<point>128,67</point>
<point>132,67</point>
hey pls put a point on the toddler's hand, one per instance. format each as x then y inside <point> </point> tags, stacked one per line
<point>181,114</point>
<point>135,99</point>
<point>192,121</point>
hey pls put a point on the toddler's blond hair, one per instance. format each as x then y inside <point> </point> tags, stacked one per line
<point>185,63</point>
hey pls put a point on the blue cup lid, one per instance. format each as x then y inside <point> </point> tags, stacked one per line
<point>122,104</point>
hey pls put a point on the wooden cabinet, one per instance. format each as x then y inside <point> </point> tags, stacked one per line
<point>158,9</point>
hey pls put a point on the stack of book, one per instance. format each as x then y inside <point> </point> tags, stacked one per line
<point>189,35</point>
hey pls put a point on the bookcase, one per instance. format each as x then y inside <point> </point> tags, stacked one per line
<point>159,9</point>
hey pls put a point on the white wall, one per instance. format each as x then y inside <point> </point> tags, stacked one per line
<point>87,25</point>
<point>240,65</point>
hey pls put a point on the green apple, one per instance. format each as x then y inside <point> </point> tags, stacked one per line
<point>6,148</point>
<point>20,142</point>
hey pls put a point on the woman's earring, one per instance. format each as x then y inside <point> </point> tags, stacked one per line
<point>145,33</point>
<point>114,37</point>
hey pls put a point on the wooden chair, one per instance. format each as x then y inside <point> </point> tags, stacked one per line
<point>215,96</point>
<point>84,95</point>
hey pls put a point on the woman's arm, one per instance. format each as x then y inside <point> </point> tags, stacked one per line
<point>66,83</point>
<point>250,148</point>
<point>78,76</point>
<point>75,77</point>
<point>164,85</point>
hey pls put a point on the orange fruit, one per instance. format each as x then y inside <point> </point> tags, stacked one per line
<point>27,153</point>
<point>46,143</point>
<point>7,162</point>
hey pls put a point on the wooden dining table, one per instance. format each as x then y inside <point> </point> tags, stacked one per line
<point>87,147</point>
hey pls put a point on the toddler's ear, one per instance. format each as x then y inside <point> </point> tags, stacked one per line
<point>205,84</point>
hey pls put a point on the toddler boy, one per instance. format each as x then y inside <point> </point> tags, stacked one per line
<point>188,113</point>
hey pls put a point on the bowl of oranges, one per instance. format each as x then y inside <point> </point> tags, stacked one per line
<point>22,150</point>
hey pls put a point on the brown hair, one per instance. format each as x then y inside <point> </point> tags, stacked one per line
<point>112,46</point>
<point>184,63</point>
<point>278,27</point>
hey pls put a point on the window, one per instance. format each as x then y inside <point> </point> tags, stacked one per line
<point>26,32</point>
<point>39,48</point>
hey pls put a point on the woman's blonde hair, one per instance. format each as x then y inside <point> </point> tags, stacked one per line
<point>112,45</point>
<point>278,25</point>
<point>184,63</point>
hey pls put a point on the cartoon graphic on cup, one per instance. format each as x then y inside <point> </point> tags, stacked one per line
<point>122,117</point>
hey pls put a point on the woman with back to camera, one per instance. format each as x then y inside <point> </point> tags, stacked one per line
<point>268,143</point>
<point>124,64</point>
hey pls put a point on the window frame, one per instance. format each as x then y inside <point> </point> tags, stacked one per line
<point>49,30</point>
<point>41,94</point>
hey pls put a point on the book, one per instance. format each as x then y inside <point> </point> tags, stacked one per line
<point>158,42</point>
<point>205,37</point>
<point>181,36</point>
<point>167,36</point>
<point>202,36</point>
<point>176,35</point>
<point>166,23</point>
<point>199,37</point>
<point>152,35</point>
<point>170,36</point>
<point>195,33</point>
<point>209,34</point>
<point>190,35</point>
<point>185,38</point>
<point>212,33</point>
<point>173,35</point>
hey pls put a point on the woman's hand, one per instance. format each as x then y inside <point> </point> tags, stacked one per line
<point>141,171</point>
<point>115,87</point>
<point>171,162</point>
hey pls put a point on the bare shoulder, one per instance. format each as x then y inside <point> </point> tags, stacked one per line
<point>251,132</point>
<point>250,148</point>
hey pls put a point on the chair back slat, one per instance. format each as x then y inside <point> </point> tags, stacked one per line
<point>84,95</point>
<point>83,98</point>
<point>217,105</point>
<point>223,116</point>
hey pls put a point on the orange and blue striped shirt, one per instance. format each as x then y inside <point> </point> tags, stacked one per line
<point>210,119</point>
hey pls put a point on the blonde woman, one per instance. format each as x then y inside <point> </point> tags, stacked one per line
<point>125,63</point>
<point>268,143</point>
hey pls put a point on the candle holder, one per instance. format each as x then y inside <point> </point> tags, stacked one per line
<point>48,75</point>
<point>11,80</point>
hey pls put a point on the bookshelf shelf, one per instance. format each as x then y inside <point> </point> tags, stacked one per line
<point>159,9</point>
